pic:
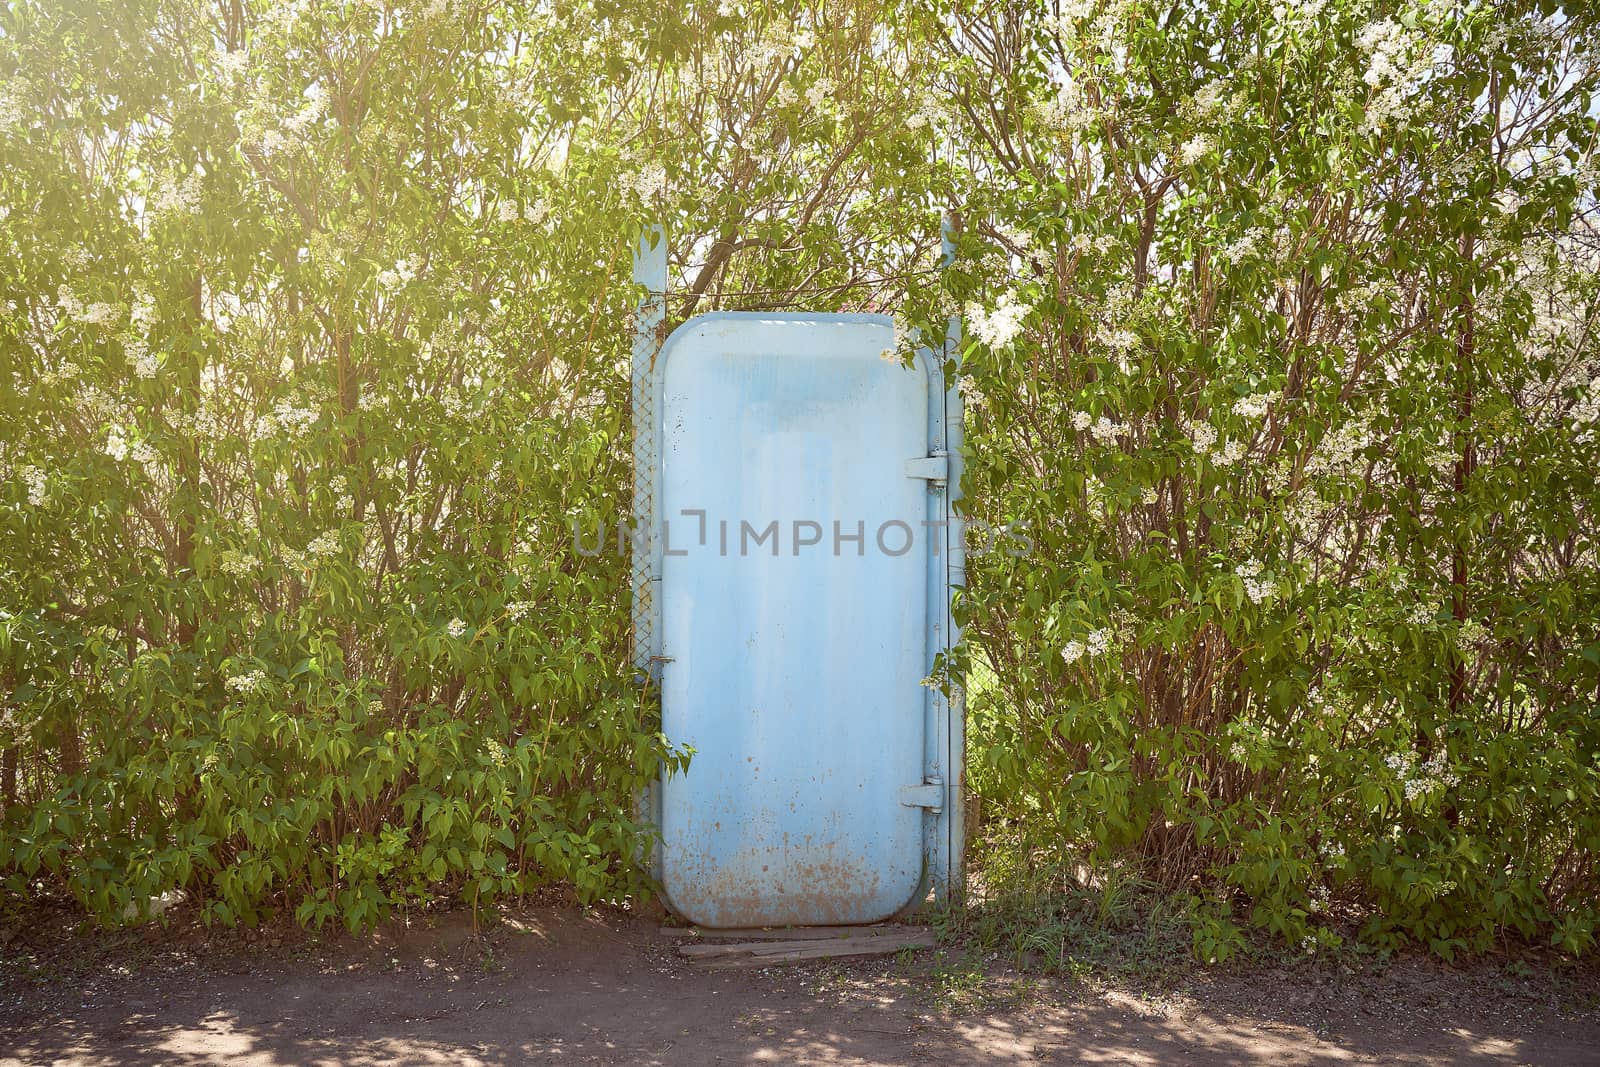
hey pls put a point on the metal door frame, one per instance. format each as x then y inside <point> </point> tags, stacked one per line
<point>944,733</point>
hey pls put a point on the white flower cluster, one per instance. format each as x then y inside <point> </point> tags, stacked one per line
<point>1072,13</point>
<point>343,501</point>
<point>1422,612</point>
<point>1203,439</point>
<point>1399,64</point>
<point>646,183</point>
<point>1078,21</point>
<point>271,139</point>
<point>1337,454</point>
<point>1255,406</point>
<point>325,545</point>
<point>1470,635</point>
<point>286,14</point>
<point>518,610</point>
<point>456,628</point>
<point>1417,779</point>
<point>1122,341</point>
<point>508,210</point>
<point>820,94</point>
<point>316,106</point>
<point>137,352</point>
<point>1014,236</point>
<point>1105,431</point>
<point>142,315</point>
<point>998,328</point>
<point>1195,149</point>
<point>286,418</point>
<point>232,64</point>
<point>248,682</point>
<point>1387,45</point>
<point>926,113</point>
<point>38,484</point>
<point>14,110</point>
<point>1068,110</point>
<point>96,314</point>
<point>176,196</point>
<point>1210,101</point>
<point>1097,644</point>
<point>1244,246</point>
<point>904,336</point>
<point>404,271</point>
<point>1290,11</point>
<point>1083,244</point>
<point>1256,587</point>
<point>237,564</point>
<point>779,43</point>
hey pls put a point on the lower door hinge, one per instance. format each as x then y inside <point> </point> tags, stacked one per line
<point>930,795</point>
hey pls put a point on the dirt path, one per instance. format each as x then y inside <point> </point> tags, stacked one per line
<point>554,985</point>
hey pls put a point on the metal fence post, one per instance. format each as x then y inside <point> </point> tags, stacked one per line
<point>649,271</point>
<point>956,560</point>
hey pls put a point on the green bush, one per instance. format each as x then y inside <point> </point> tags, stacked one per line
<point>1290,375</point>
<point>293,609</point>
<point>314,328</point>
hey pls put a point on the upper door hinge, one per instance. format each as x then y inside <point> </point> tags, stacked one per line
<point>934,467</point>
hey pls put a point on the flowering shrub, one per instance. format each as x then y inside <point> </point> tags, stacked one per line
<point>1290,376</point>
<point>314,329</point>
<point>304,389</point>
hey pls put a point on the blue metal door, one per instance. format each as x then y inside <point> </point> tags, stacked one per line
<point>802,595</point>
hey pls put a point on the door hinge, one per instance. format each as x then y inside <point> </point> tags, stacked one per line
<point>934,467</point>
<point>930,795</point>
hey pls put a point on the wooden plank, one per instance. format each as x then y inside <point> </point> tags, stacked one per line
<point>780,933</point>
<point>812,951</point>
<point>817,947</point>
<point>791,959</point>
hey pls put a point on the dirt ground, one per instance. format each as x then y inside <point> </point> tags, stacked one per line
<point>558,984</point>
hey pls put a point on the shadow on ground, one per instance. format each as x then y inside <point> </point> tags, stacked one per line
<point>565,986</point>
